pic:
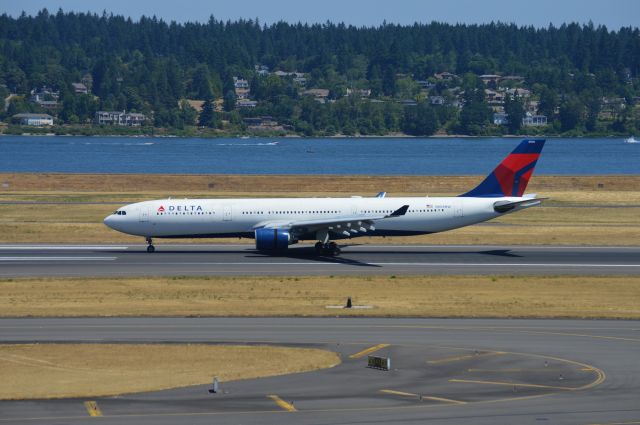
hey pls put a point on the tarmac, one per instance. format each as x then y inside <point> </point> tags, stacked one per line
<point>443,371</point>
<point>242,259</point>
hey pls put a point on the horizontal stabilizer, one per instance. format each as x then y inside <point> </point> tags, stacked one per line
<point>506,206</point>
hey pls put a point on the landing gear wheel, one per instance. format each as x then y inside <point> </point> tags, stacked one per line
<point>330,249</point>
<point>150,247</point>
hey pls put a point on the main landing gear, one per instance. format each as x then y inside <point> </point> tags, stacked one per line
<point>150,247</point>
<point>330,249</point>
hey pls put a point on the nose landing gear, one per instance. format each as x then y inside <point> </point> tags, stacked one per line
<point>150,247</point>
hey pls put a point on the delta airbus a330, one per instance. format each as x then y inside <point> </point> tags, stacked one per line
<point>277,223</point>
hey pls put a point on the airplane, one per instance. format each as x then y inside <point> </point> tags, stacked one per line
<point>277,223</point>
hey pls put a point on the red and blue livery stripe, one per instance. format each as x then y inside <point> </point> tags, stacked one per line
<point>511,176</point>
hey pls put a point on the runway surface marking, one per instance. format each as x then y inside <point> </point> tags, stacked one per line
<point>513,384</point>
<point>368,351</point>
<point>442,399</point>
<point>58,258</point>
<point>423,397</point>
<point>465,357</point>
<point>546,369</point>
<point>401,393</point>
<point>315,263</point>
<point>61,247</point>
<point>92,408</point>
<point>280,402</point>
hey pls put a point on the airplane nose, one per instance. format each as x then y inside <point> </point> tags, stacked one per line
<point>108,220</point>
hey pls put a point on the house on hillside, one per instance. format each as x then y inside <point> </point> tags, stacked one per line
<point>437,100</point>
<point>261,70</point>
<point>45,97</point>
<point>531,120</point>
<point>519,92</point>
<point>79,88</point>
<point>37,120</point>
<point>490,78</point>
<point>494,97</point>
<point>425,85</point>
<point>121,118</point>
<point>446,76</point>
<point>44,94</point>
<point>241,88</point>
<point>319,95</point>
<point>361,93</point>
<point>500,118</point>
<point>246,103</point>
<point>408,102</point>
<point>261,123</point>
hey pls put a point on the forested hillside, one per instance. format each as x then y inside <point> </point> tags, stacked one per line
<point>322,79</point>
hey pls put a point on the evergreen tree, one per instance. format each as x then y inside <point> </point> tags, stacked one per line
<point>571,111</point>
<point>207,115</point>
<point>514,109</point>
<point>229,103</point>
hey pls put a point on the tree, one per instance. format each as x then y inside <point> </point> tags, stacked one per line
<point>592,100</point>
<point>548,102</point>
<point>201,83</point>
<point>420,120</point>
<point>515,110</point>
<point>475,114</point>
<point>207,115</point>
<point>229,103</point>
<point>188,115</point>
<point>571,111</point>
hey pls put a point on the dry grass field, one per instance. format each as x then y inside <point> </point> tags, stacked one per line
<point>425,296</point>
<point>31,371</point>
<point>611,216</point>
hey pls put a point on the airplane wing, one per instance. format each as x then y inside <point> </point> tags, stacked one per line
<point>505,206</point>
<point>346,226</point>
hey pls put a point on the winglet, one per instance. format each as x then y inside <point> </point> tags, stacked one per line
<point>381,194</point>
<point>400,211</point>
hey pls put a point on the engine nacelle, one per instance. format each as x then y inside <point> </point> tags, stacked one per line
<point>273,239</point>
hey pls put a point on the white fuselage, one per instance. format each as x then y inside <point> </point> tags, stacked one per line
<point>175,218</point>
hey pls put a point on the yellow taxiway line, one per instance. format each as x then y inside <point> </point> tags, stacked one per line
<point>511,384</point>
<point>424,397</point>
<point>465,357</point>
<point>368,351</point>
<point>92,408</point>
<point>280,402</point>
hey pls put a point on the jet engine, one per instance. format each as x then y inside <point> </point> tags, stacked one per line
<point>273,239</point>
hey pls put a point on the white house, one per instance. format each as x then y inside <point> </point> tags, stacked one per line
<point>37,120</point>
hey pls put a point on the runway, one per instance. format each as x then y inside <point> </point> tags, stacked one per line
<point>243,259</point>
<point>443,372</point>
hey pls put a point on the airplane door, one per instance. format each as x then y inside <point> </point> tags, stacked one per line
<point>227,213</point>
<point>457,209</point>
<point>144,214</point>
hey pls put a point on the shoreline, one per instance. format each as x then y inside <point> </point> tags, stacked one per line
<point>336,136</point>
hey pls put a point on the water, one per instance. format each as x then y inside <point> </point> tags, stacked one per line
<point>375,156</point>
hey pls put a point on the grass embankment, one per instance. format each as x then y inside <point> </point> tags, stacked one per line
<point>32,371</point>
<point>561,221</point>
<point>439,296</point>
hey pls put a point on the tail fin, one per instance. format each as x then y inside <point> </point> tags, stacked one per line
<point>510,178</point>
